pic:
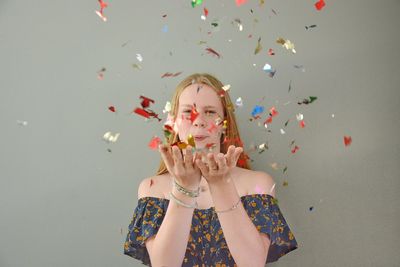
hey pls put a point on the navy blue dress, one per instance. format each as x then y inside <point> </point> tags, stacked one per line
<point>207,245</point>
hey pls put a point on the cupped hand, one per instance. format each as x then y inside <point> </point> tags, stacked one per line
<point>181,166</point>
<point>218,167</point>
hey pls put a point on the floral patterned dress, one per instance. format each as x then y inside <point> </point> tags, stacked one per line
<point>207,245</point>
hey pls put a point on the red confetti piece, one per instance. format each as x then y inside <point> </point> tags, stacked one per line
<point>213,52</point>
<point>273,112</point>
<point>271,52</point>
<point>347,140</point>
<point>100,13</point>
<point>154,142</point>
<point>111,108</point>
<point>295,149</point>
<point>193,114</point>
<point>100,73</point>
<point>142,112</point>
<point>240,2</point>
<point>169,74</point>
<point>268,120</point>
<point>302,124</point>
<point>205,12</point>
<point>320,4</point>
<point>146,101</point>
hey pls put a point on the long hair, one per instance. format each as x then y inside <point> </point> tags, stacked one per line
<point>231,136</point>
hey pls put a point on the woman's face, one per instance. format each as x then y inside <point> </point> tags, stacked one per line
<point>200,113</point>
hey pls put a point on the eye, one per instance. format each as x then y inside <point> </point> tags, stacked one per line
<point>187,111</point>
<point>210,111</point>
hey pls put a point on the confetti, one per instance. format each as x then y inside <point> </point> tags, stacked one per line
<point>154,143</point>
<point>100,13</point>
<point>300,67</point>
<point>165,28</point>
<point>347,140</point>
<point>290,85</point>
<point>110,137</point>
<point>302,124</point>
<point>320,4</point>
<point>213,52</point>
<point>22,123</point>
<point>284,169</point>
<point>287,44</point>
<point>299,117</point>
<point>139,57</point>
<point>259,47</point>
<point>100,73</point>
<point>168,74</point>
<point>311,208</point>
<point>226,87</point>
<point>167,107</point>
<point>196,3</point>
<point>273,11</point>
<point>239,24</point>
<point>268,69</point>
<point>282,131</point>
<point>295,149</point>
<point>146,113</point>
<point>136,66</point>
<point>257,110</point>
<point>193,114</point>
<point>239,102</point>
<point>285,183</point>
<point>111,108</point>
<point>311,26</point>
<point>286,123</point>
<point>271,52</point>
<point>308,101</point>
<point>240,2</point>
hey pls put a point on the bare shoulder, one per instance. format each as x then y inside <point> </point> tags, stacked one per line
<point>152,186</point>
<point>257,182</point>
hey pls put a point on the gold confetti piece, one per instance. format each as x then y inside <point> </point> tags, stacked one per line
<point>259,47</point>
<point>274,166</point>
<point>191,141</point>
<point>137,66</point>
<point>285,183</point>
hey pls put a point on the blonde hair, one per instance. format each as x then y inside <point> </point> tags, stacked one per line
<point>232,133</point>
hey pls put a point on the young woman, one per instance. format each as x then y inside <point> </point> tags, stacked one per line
<point>205,207</point>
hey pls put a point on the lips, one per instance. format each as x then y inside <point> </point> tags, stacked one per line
<point>200,137</point>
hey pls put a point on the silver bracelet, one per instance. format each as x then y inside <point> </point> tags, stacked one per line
<point>233,207</point>
<point>182,203</point>
<point>190,193</point>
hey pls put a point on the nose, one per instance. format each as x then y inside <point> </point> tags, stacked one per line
<point>200,121</point>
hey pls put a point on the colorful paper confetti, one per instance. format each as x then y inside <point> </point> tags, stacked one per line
<point>100,13</point>
<point>319,5</point>
<point>168,74</point>
<point>213,52</point>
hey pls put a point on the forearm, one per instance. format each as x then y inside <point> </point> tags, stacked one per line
<point>242,237</point>
<point>169,246</point>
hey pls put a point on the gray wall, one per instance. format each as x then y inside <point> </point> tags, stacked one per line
<point>64,198</point>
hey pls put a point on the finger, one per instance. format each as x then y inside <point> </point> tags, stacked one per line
<point>166,156</point>
<point>201,165</point>
<point>211,162</point>
<point>221,161</point>
<point>237,153</point>
<point>229,155</point>
<point>177,156</point>
<point>188,158</point>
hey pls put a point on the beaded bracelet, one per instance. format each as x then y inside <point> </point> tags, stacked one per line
<point>190,193</point>
<point>233,207</point>
<point>182,203</point>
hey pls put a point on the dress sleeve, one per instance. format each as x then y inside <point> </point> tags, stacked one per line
<point>265,214</point>
<point>147,219</point>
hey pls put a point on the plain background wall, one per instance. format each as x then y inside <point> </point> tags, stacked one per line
<point>65,200</point>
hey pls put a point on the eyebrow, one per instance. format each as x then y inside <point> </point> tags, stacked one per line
<point>208,106</point>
